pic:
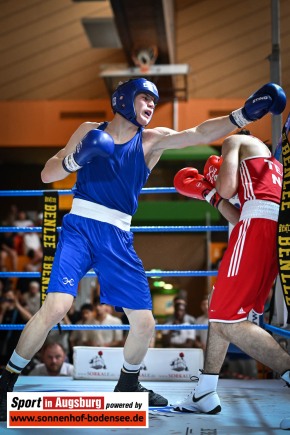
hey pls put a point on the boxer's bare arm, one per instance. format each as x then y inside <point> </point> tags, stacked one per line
<point>229,211</point>
<point>159,139</point>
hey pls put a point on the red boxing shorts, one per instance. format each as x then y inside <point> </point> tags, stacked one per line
<point>247,271</point>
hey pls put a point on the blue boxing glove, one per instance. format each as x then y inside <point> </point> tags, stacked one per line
<point>269,98</point>
<point>94,143</point>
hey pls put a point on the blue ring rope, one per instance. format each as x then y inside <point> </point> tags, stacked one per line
<point>145,190</point>
<point>276,330</point>
<point>115,327</point>
<point>4,327</point>
<point>150,273</point>
<point>140,229</point>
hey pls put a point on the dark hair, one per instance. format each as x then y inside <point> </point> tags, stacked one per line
<point>96,300</point>
<point>179,297</point>
<point>179,301</point>
<point>244,131</point>
<point>88,307</point>
<point>30,254</point>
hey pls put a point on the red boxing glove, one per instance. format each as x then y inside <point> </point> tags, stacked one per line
<point>190,183</point>
<point>212,168</point>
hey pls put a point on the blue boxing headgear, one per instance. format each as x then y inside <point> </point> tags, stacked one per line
<point>124,96</point>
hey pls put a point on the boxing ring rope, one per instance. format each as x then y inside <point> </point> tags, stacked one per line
<point>139,229</point>
<point>155,273</point>
<point>148,273</point>
<point>145,190</point>
<point>19,327</point>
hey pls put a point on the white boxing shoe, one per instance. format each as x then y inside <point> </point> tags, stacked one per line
<point>208,403</point>
<point>202,399</point>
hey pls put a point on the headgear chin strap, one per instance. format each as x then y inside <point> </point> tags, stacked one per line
<point>124,96</point>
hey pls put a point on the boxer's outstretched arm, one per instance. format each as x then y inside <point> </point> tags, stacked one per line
<point>270,98</point>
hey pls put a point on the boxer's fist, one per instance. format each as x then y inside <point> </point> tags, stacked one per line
<point>269,98</point>
<point>212,168</point>
<point>94,143</point>
<point>190,183</point>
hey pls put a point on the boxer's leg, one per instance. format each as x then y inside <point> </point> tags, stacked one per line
<point>257,343</point>
<point>142,327</point>
<point>54,308</point>
<point>204,398</point>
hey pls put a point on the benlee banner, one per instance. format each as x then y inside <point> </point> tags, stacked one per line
<point>283,234</point>
<point>49,237</point>
<point>77,410</point>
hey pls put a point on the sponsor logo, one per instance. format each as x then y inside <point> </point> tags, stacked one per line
<point>179,363</point>
<point>241,311</point>
<point>66,281</point>
<point>197,399</point>
<point>79,146</point>
<point>98,362</point>
<point>261,98</point>
<point>150,86</point>
<point>211,176</point>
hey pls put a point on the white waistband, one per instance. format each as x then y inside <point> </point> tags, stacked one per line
<point>258,208</point>
<point>92,210</point>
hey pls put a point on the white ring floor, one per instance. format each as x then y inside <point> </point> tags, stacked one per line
<point>253,407</point>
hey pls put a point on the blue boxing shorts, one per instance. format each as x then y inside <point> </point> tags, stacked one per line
<point>86,244</point>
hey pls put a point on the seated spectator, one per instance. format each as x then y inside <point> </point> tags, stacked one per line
<point>8,252</point>
<point>5,284</point>
<point>61,336</point>
<point>182,337</point>
<point>28,241</point>
<point>181,300</point>
<point>53,362</point>
<point>111,337</point>
<point>33,264</point>
<point>201,334</point>
<point>31,299</point>
<point>11,312</point>
<point>11,216</point>
<point>31,242</point>
<point>86,337</point>
<point>22,220</point>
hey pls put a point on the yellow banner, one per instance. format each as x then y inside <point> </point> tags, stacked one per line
<point>283,236</point>
<point>49,238</point>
